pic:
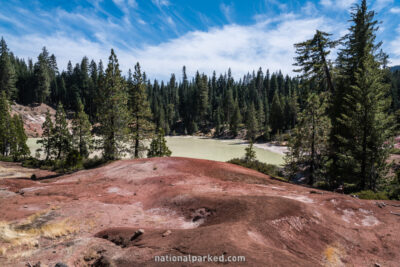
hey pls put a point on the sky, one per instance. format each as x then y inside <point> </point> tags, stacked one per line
<point>164,35</point>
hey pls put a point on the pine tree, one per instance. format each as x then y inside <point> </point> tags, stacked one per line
<point>250,154</point>
<point>236,118</point>
<point>276,117</point>
<point>313,62</point>
<point>8,77</point>
<point>61,135</point>
<point>81,130</point>
<point>113,112</point>
<point>141,125</point>
<point>363,126</point>
<point>158,146</point>
<point>5,122</point>
<point>251,123</point>
<point>21,149</point>
<point>308,144</point>
<point>42,77</point>
<point>47,141</point>
<point>201,82</point>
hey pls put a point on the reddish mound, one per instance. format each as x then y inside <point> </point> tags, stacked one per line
<point>129,212</point>
<point>33,117</point>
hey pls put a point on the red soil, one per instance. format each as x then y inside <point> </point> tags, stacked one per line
<point>198,207</point>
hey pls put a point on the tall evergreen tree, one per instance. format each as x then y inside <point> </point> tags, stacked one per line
<point>113,113</point>
<point>47,141</point>
<point>21,149</point>
<point>277,116</point>
<point>42,77</point>
<point>5,122</point>
<point>61,135</point>
<point>8,77</point>
<point>81,130</point>
<point>251,124</point>
<point>363,126</point>
<point>236,118</point>
<point>141,125</point>
<point>309,143</point>
<point>312,58</point>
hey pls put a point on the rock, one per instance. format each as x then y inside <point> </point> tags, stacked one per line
<point>87,258</point>
<point>137,234</point>
<point>166,233</point>
<point>60,264</point>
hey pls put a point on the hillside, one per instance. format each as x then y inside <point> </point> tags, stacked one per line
<point>128,212</point>
<point>33,117</point>
<point>394,68</point>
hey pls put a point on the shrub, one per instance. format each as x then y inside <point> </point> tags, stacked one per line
<point>93,162</point>
<point>269,169</point>
<point>395,151</point>
<point>74,159</point>
<point>323,185</point>
<point>369,194</point>
<point>394,192</point>
<point>350,188</point>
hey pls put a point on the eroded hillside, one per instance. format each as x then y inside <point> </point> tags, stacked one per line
<point>128,212</point>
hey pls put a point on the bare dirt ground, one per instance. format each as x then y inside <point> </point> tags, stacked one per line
<point>128,212</point>
<point>14,170</point>
<point>33,117</point>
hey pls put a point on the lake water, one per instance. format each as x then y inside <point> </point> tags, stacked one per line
<point>205,148</point>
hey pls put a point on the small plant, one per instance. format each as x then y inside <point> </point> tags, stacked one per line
<point>250,153</point>
<point>369,194</point>
<point>269,169</point>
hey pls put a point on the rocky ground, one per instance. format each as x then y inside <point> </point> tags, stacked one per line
<point>128,212</point>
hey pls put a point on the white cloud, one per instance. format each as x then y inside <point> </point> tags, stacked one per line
<point>125,5</point>
<point>242,48</point>
<point>309,9</point>
<point>161,3</point>
<point>227,10</point>
<point>380,4</point>
<point>276,3</point>
<point>170,21</point>
<point>141,21</point>
<point>395,48</point>
<point>338,4</point>
<point>395,10</point>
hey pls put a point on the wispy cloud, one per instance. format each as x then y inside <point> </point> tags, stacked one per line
<point>227,10</point>
<point>161,3</point>
<point>337,4</point>
<point>266,41</point>
<point>309,9</point>
<point>395,10</point>
<point>277,3</point>
<point>380,4</point>
<point>395,48</point>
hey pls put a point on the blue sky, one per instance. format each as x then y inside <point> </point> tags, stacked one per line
<point>164,35</point>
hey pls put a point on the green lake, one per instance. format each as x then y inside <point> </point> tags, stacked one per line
<point>205,148</point>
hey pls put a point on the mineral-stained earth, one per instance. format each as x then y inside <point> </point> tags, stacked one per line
<point>129,212</point>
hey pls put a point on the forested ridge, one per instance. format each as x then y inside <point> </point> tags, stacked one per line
<point>338,115</point>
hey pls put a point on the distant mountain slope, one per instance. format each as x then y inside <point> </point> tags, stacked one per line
<point>33,117</point>
<point>394,68</point>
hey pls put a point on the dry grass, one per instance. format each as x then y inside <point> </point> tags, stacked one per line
<point>25,235</point>
<point>332,255</point>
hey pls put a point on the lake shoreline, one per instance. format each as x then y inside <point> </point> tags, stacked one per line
<point>281,150</point>
<point>205,147</point>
